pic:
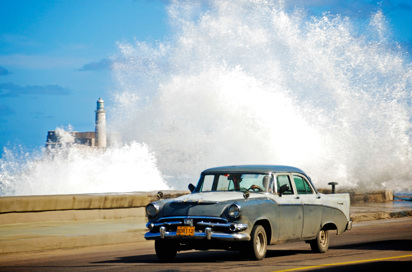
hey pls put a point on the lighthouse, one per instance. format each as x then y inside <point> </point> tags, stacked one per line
<point>101,140</point>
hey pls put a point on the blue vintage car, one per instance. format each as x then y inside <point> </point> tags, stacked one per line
<point>246,208</point>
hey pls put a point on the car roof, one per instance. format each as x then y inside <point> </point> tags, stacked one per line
<point>253,169</point>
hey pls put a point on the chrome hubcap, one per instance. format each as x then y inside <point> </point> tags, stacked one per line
<point>260,243</point>
<point>322,237</point>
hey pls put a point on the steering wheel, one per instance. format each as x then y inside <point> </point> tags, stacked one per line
<point>254,187</point>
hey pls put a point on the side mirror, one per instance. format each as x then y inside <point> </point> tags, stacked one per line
<point>283,189</point>
<point>191,187</point>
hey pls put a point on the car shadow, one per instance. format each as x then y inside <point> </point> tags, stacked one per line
<point>210,256</point>
<point>213,256</point>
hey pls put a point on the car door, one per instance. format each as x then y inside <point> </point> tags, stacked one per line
<point>312,206</point>
<point>291,210</point>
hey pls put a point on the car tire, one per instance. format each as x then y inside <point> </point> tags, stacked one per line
<point>258,246</point>
<point>166,250</point>
<point>321,243</point>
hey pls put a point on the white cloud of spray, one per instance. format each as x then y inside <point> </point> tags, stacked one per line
<point>76,169</point>
<point>248,82</point>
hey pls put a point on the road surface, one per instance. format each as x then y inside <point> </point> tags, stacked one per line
<point>381,245</point>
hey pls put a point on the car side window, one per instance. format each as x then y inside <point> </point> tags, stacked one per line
<point>302,185</point>
<point>207,183</point>
<point>224,184</point>
<point>282,180</point>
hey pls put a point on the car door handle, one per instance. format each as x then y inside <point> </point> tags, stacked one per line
<point>296,197</point>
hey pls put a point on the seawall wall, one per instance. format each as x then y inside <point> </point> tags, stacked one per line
<point>26,209</point>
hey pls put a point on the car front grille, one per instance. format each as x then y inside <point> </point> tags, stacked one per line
<point>199,222</point>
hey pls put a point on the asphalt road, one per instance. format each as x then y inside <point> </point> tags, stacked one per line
<point>381,245</point>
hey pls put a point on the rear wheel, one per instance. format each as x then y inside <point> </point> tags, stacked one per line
<point>258,245</point>
<point>321,243</point>
<point>166,250</point>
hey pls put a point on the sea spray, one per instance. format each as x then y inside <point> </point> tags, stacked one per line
<point>75,169</point>
<point>246,82</point>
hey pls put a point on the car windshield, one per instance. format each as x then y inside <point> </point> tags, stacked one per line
<point>236,182</point>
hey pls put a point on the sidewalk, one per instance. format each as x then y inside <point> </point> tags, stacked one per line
<point>42,236</point>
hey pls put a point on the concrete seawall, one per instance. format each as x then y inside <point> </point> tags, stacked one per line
<point>25,209</point>
<point>364,197</point>
<point>80,202</point>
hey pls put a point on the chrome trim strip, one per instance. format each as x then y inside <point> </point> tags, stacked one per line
<point>213,225</point>
<point>311,204</point>
<point>172,223</point>
<point>194,217</point>
<point>300,204</point>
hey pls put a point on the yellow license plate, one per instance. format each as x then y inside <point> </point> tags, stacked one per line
<point>185,230</point>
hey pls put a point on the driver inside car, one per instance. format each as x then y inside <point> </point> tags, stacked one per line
<point>265,185</point>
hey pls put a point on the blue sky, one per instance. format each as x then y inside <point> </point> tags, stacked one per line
<point>54,55</point>
<point>54,60</point>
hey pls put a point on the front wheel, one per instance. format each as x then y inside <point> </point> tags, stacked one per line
<point>166,250</point>
<point>258,247</point>
<point>321,243</point>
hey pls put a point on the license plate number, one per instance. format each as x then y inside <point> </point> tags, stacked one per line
<point>185,231</point>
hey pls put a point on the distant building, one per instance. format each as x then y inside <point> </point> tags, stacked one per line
<point>57,138</point>
<point>97,138</point>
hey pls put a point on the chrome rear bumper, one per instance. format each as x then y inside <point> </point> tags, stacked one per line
<point>349,225</point>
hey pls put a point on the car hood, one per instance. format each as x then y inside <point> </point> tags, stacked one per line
<point>203,204</point>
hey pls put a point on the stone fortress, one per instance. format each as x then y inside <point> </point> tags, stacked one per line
<point>95,139</point>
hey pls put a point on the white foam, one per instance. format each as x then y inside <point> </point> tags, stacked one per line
<point>76,170</point>
<point>248,82</point>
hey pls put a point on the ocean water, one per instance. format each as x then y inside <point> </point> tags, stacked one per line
<point>244,82</point>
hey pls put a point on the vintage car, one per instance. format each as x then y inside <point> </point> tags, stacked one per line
<point>246,208</point>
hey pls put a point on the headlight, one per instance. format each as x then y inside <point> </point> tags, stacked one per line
<point>152,210</point>
<point>234,211</point>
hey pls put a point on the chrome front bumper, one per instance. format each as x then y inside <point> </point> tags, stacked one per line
<point>207,228</point>
<point>208,234</point>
